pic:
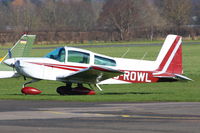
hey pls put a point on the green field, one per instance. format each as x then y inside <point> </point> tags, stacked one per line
<point>173,91</point>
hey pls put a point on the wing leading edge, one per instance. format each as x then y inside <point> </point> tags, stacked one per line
<point>92,75</point>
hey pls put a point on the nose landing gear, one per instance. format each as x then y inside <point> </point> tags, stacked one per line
<point>30,90</point>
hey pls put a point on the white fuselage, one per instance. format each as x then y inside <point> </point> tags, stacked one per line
<point>50,69</point>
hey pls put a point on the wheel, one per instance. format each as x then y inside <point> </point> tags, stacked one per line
<point>80,90</point>
<point>63,90</point>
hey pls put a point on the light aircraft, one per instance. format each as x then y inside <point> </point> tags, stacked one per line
<point>79,66</point>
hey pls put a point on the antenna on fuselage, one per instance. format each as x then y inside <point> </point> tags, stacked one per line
<point>9,53</point>
<point>144,55</point>
<point>125,53</point>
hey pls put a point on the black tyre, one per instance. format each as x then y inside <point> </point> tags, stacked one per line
<point>62,90</point>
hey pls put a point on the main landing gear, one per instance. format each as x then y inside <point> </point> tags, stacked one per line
<point>79,90</point>
<point>62,90</point>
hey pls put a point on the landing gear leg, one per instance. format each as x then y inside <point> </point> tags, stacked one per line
<point>68,85</point>
<point>80,85</point>
<point>98,87</point>
<point>29,82</point>
<point>30,90</point>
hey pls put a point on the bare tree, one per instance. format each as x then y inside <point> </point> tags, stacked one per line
<point>177,12</point>
<point>22,16</point>
<point>67,15</point>
<point>151,18</point>
<point>196,12</point>
<point>97,8</point>
<point>83,17</point>
<point>48,15</point>
<point>4,16</point>
<point>120,15</point>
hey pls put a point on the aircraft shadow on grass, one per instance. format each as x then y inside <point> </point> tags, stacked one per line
<point>106,93</point>
<point>133,93</point>
<point>33,95</point>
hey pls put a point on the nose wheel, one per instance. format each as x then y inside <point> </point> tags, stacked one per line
<point>30,90</point>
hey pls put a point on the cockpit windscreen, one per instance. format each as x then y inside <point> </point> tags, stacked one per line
<point>57,54</point>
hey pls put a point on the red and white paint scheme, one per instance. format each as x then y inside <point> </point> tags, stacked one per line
<point>74,65</point>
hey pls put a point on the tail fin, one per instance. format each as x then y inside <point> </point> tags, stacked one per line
<point>21,49</point>
<point>169,59</point>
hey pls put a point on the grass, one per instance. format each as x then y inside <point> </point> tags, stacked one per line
<point>160,41</point>
<point>149,92</point>
<point>90,43</point>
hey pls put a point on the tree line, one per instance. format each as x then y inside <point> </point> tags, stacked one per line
<point>97,20</point>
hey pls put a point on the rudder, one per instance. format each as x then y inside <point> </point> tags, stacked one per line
<point>169,59</point>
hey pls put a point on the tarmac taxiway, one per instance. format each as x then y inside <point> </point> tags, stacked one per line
<point>58,116</point>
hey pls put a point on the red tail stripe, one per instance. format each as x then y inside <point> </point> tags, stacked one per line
<point>169,53</point>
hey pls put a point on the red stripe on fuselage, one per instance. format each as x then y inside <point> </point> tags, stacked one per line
<point>71,66</point>
<point>167,56</point>
<point>65,67</point>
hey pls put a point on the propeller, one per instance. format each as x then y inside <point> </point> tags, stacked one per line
<point>10,56</point>
<point>17,65</point>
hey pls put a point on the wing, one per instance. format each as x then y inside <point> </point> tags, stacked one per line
<point>92,75</point>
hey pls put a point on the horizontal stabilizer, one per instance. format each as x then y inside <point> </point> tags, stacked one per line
<point>8,74</point>
<point>182,77</point>
<point>171,76</point>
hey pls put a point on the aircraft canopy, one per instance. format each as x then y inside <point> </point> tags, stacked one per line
<point>76,56</point>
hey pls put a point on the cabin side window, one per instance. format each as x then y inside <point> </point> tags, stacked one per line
<point>98,60</point>
<point>78,57</point>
